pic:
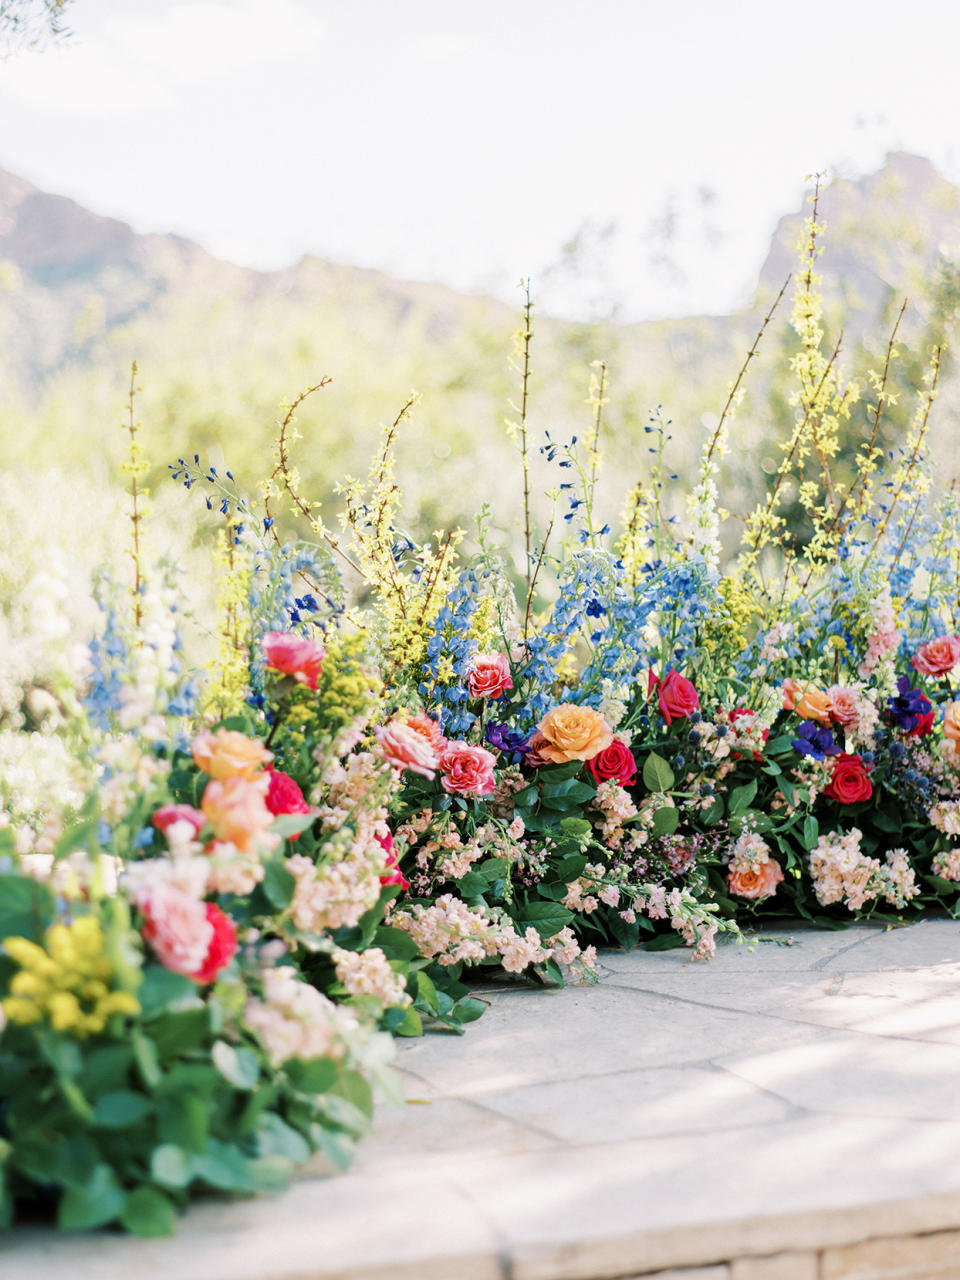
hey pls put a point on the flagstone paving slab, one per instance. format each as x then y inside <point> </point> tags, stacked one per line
<point>789,1112</point>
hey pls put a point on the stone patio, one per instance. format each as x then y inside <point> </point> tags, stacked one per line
<point>790,1112</point>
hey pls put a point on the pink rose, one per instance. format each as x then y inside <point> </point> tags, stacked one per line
<point>467,770</point>
<point>168,814</point>
<point>490,675</point>
<point>392,873</point>
<point>615,762</point>
<point>236,810</point>
<point>223,945</point>
<point>406,748</point>
<point>842,704</point>
<point>757,882</point>
<point>293,656</point>
<point>937,656</point>
<point>428,728</point>
<point>677,696</point>
<point>284,796</point>
<point>176,926</point>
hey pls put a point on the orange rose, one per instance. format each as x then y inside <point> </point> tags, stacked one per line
<point>791,691</point>
<point>759,882</point>
<point>814,704</point>
<point>951,721</point>
<point>229,754</point>
<point>569,732</point>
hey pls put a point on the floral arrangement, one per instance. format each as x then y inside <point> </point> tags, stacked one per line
<point>408,762</point>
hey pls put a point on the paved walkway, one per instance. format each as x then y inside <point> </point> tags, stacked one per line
<point>790,1112</point>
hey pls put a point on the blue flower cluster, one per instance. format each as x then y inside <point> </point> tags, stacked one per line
<point>450,648</point>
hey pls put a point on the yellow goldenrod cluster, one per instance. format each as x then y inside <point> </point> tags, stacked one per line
<point>226,695</point>
<point>348,689</point>
<point>728,629</point>
<point>66,981</point>
<point>484,629</point>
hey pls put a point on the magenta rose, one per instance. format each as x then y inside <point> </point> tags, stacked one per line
<point>937,656</point>
<point>164,817</point>
<point>284,796</point>
<point>467,770</point>
<point>293,656</point>
<point>615,763</point>
<point>489,676</point>
<point>677,696</point>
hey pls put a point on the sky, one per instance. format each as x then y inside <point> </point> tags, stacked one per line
<point>470,141</point>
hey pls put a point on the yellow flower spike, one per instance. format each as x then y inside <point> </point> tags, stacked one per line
<point>21,1011</point>
<point>119,1002</point>
<point>29,984</point>
<point>63,1010</point>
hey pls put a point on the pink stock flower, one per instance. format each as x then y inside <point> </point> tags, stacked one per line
<point>406,748</point>
<point>165,817</point>
<point>467,770</point>
<point>937,656</point>
<point>489,676</point>
<point>293,656</point>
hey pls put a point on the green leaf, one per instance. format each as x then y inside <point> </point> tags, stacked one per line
<point>571,866</point>
<point>170,1166</point>
<point>665,821</point>
<point>276,1138</point>
<point>146,1058</point>
<point>410,1025</point>
<point>343,1114</point>
<point>26,907</point>
<point>148,1212</point>
<point>278,884</point>
<point>337,1147</point>
<point>811,831</point>
<point>546,917</point>
<point>69,1163</point>
<point>121,1108</point>
<point>183,1120</point>
<point>576,827</point>
<point>741,798</point>
<point>164,990</point>
<point>526,798</point>
<point>238,1065</point>
<point>427,992</point>
<point>222,1166</point>
<point>472,885</point>
<point>713,813</point>
<point>355,1089</point>
<point>469,1010</point>
<point>778,746</point>
<point>94,1204</point>
<point>665,942</point>
<point>396,944</point>
<point>174,1033</point>
<point>657,774</point>
<point>315,1075</point>
<point>291,824</point>
<point>269,1173</point>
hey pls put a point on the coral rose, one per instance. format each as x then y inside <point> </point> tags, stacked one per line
<point>236,810</point>
<point>467,770</point>
<point>757,882</point>
<point>937,656</point>
<point>229,754</point>
<point>427,728</point>
<point>814,704</point>
<point>615,762</point>
<point>676,694</point>
<point>293,656</point>
<point>791,691</point>
<point>392,873</point>
<point>842,704</point>
<point>405,747</point>
<point>849,781</point>
<point>951,721</point>
<point>284,796</point>
<point>489,676</point>
<point>168,814</point>
<point>569,732</point>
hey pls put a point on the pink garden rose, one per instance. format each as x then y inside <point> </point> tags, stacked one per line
<point>405,747</point>
<point>176,926</point>
<point>428,728</point>
<point>676,694</point>
<point>842,704</point>
<point>490,675</point>
<point>293,656</point>
<point>168,814</point>
<point>223,945</point>
<point>937,656</point>
<point>467,770</point>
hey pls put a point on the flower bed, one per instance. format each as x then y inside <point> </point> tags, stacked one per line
<point>407,763</point>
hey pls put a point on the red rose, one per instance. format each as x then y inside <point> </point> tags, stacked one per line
<point>284,796</point>
<point>676,694</point>
<point>223,944</point>
<point>924,725</point>
<point>614,762</point>
<point>393,873</point>
<point>850,782</point>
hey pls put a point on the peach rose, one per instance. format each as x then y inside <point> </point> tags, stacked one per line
<point>842,703</point>
<point>236,809</point>
<point>758,882</point>
<point>405,748</point>
<point>814,704</point>
<point>937,656</point>
<point>229,754</point>
<point>569,732</point>
<point>490,675</point>
<point>467,770</point>
<point>951,721</point>
<point>791,691</point>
